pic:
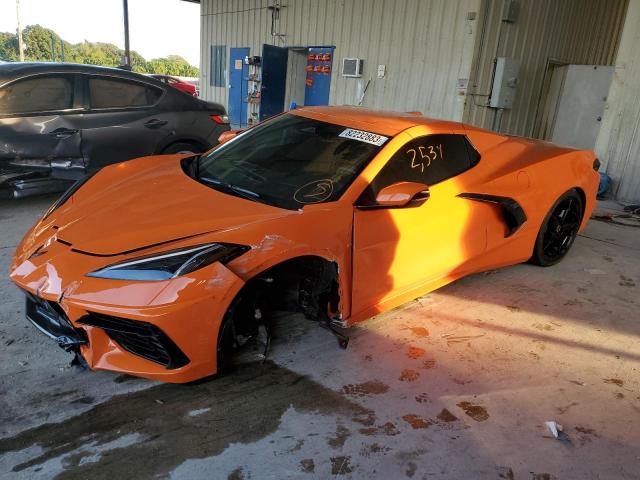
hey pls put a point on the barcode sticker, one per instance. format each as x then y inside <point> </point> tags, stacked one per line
<point>367,137</point>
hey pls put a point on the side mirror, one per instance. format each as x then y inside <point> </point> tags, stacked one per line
<point>402,194</point>
<point>228,135</point>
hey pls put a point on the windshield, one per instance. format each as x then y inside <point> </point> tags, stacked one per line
<point>290,161</point>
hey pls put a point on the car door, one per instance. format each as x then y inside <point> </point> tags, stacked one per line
<point>40,125</point>
<point>401,250</point>
<point>274,80</point>
<point>125,120</point>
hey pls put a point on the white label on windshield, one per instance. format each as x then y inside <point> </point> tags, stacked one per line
<point>372,138</point>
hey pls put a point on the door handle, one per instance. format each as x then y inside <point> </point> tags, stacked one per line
<point>63,132</point>
<point>155,123</point>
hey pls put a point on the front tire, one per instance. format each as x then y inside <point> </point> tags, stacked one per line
<point>559,230</point>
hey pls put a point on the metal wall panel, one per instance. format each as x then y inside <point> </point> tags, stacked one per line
<point>426,46</point>
<point>618,145</point>
<point>562,31</point>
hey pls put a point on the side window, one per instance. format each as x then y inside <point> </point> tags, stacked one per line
<point>39,94</point>
<point>430,160</point>
<point>112,93</point>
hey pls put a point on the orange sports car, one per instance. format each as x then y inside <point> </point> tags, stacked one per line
<point>164,266</point>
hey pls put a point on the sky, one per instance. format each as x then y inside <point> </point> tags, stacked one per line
<point>157,28</point>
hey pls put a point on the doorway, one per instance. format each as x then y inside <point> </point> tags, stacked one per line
<point>295,74</point>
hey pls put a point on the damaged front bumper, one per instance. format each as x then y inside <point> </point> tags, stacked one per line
<point>51,320</point>
<point>165,330</point>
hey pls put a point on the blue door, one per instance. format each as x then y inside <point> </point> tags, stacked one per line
<point>238,87</point>
<point>318,81</point>
<point>274,80</point>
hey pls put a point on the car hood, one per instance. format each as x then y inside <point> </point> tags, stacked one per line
<point>147,202</point>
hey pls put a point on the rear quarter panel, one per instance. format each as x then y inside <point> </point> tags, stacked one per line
<point>192,121</point>
<point>535,174</point>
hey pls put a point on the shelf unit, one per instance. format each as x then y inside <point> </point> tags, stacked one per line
<point>253,94</point>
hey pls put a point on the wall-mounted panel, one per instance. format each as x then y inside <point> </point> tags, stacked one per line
<point>543,33</point>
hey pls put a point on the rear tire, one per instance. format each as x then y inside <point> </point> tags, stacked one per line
<point>559,230</point>
<point>182,147</point>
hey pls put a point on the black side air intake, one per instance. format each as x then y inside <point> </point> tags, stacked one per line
<point>512,213</point>
<point>140,338</point>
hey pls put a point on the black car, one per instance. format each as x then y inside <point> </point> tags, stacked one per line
<point>59,122</point>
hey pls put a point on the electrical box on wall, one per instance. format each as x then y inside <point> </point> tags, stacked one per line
<point>352,67</point>
<point>505,79</point>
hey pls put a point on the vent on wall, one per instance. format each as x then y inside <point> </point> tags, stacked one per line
<point>352,67</point>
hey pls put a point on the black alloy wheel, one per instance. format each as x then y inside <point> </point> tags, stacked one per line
<point>559,230</point>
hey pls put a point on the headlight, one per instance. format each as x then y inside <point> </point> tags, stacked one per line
<point>171,264</point>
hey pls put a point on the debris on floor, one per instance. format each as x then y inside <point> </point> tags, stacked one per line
<point>554,428</point>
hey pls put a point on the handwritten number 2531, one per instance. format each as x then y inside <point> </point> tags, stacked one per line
<point>424,156</point>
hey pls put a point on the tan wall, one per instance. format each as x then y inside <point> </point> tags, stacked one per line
<point>426,45</point>
<point>567,31</point>
<point>618,144</point>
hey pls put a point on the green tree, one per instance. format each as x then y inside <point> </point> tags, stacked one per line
<point>172,65</point>
<point>38,43</point>
<point>38,48</point>
<point>8,47</point>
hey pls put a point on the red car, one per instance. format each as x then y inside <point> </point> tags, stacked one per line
<point>177,83</point>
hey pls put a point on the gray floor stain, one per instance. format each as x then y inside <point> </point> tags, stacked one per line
<point>247,405</point>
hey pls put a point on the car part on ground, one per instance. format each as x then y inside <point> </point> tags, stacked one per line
<point>339,222</point>
<point>59,122</point>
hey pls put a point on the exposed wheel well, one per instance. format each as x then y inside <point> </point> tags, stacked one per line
<point>583,198</point>
<point>309,277</point>
<point>306,284</point>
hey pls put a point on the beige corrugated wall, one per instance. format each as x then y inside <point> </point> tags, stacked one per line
<point>618,144</point>
<point>567,31</point>
<point>426,45</point>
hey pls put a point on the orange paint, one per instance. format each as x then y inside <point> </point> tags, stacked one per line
<point>385,256</point>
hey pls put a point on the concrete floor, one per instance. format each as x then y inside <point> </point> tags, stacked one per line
<point>457,384</point>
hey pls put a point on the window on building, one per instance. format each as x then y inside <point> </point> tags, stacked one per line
<point>112,93</point>
<point>218,62</point>
<point>429,160</point>
<point>41,94</point>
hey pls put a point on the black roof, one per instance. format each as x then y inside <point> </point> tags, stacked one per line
<point>11,71</point>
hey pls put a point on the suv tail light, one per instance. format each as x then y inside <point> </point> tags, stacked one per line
<point>220,119</point>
